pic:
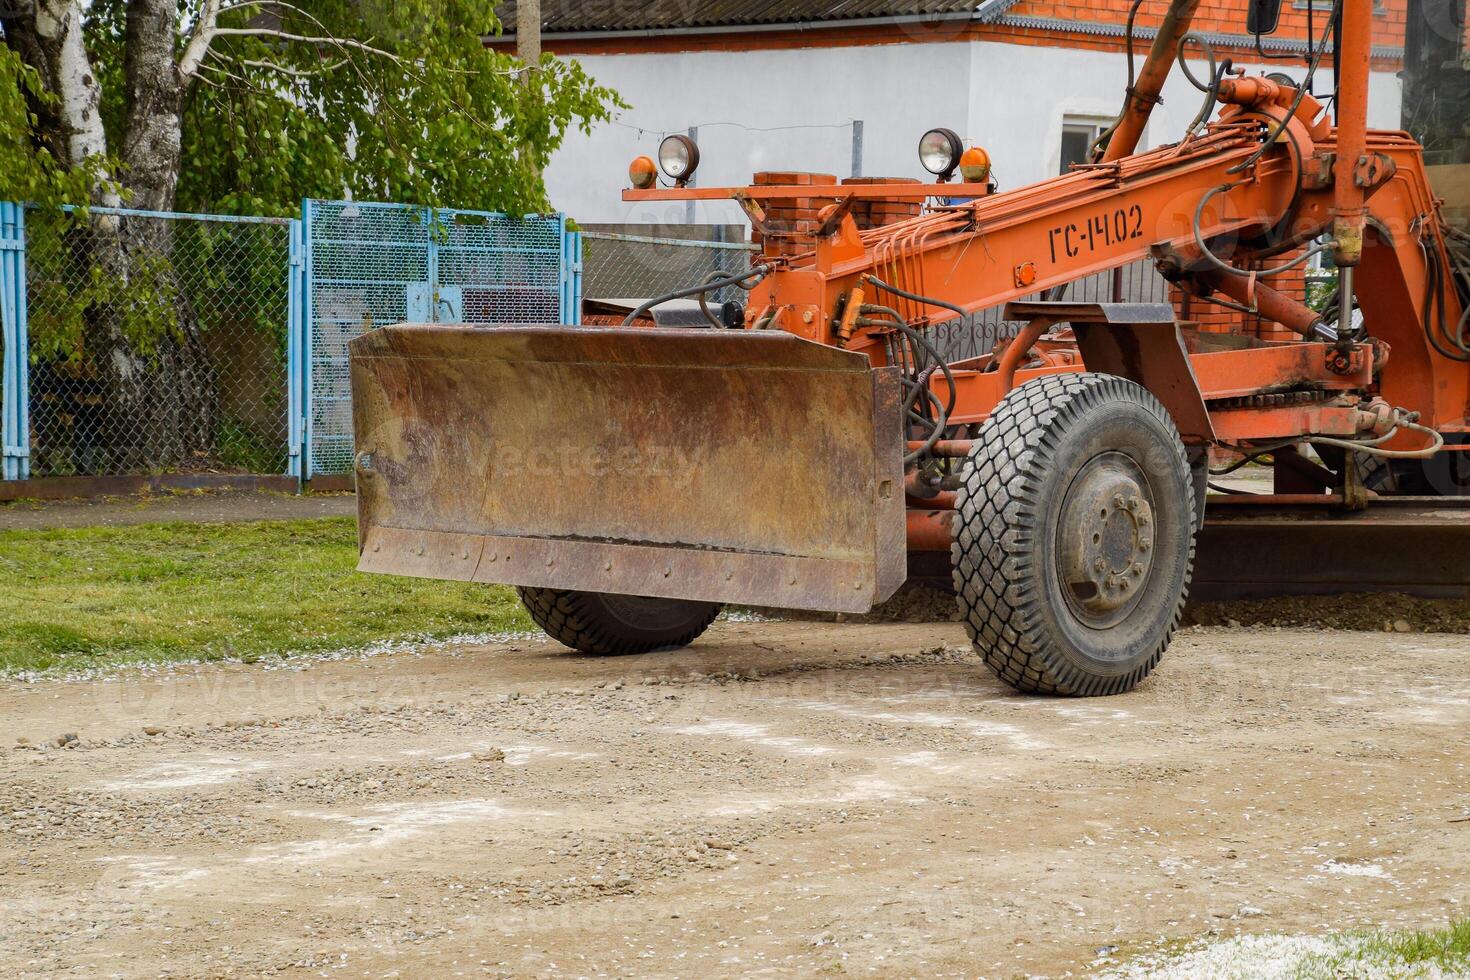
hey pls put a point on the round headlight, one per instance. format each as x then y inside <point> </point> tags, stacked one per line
<point>939,151</point>
<point>678,156</point>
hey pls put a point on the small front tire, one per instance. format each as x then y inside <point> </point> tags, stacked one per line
<point>611,625</point>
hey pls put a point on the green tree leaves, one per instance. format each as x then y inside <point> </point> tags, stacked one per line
<point>429,116</point>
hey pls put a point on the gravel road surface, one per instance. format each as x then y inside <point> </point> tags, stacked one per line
<point>784,798</point>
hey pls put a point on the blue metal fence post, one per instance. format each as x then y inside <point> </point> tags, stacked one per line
<point>295,347</point>
<point>431,260</point>
<point>16,375</point>
<point>571,277</point>
<point>304,352</point>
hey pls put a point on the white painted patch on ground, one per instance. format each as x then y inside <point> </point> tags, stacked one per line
<point>757,734</point>
<point>520,755</point>
<point>1092,715</point>
<point>179,775</point>
<point>1354,869</point>
<point>151,872</point>
<point>934,762</point>
<point>978,727</point>
<point>380,826</point>
<point>863,789</point>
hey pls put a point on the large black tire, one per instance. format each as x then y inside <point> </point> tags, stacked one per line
<point>1445,475</point>
<point>1074,538</point>
<point>1199,475</point>
<point>597,623</point>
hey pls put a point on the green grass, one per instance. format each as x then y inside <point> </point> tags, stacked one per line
<point>1395,954</point>
<point>1359,955</point>
<point>78,598</point>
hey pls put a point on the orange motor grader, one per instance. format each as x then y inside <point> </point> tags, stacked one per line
<point>628,481</point>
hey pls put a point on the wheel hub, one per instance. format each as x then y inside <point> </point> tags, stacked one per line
<point>1105,540</point>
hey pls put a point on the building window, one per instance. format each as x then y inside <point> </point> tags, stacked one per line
<point>1078,135</point>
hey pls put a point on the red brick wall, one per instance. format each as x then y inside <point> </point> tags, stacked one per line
<point>1215,16</point>
<point>1220,16</point>
<point>1217,319</point>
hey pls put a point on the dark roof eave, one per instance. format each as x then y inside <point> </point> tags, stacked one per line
<point>988,11</point>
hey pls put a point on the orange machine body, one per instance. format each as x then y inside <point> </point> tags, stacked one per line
<point>975,250</point>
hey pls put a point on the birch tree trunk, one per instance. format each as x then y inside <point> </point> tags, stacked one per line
<point>158,408</point>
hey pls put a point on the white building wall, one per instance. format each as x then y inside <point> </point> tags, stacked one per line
<point>791,109</point>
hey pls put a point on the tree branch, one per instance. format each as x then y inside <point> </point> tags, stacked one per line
<point>304,39</point>
<point>199,42</point>
<point>287,70</point>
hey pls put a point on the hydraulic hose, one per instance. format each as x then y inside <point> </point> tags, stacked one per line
<point>915,297</point>
<point>1211,88</point>
<point>752,276</point>
<point>1219,263</point>
<point>1371,447</point>
<point>1301,92</point>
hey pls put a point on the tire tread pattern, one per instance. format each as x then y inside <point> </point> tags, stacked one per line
<point>577,620</point>
<point>994,538</point>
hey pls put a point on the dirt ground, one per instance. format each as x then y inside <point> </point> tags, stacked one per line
<point>157,508</point>
<point>783,798</point>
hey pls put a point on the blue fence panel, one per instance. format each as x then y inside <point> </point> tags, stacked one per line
<point>366,265</point>
<point>15,400</point>
<point>491,268</point>
<point>371,264</point>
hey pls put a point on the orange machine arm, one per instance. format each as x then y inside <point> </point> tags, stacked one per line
<point>1004,247</point>
<point>1204,208</point>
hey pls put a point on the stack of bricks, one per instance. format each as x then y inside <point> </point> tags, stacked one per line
<point>1203,316</point>
<point>794,217</point>
<point>877,212</point>
<point>1292,283</point>
<point>1210,318</point>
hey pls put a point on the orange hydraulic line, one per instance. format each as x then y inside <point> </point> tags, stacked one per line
<point>1270,303</point>
<point>945,447</point>
<point>1010,358</point>
<point>1348,207</point>
<point>942,500</point>
<point>1144,94</point>
<point>929,530</point>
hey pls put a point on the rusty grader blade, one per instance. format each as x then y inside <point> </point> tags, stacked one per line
<point>728,465</point>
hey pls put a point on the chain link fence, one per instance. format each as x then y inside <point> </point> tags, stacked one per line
<point>624,267</point>
<point>157,343</point>
<point>979,333</point>
<point>620,267</point>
